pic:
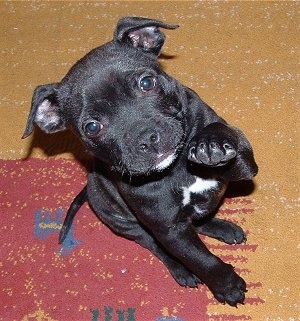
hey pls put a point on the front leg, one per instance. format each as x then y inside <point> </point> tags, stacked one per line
<point>183,243</point>
<point>224,148</point>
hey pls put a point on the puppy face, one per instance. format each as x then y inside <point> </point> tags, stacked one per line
<point>130,114</point>
<point>127,112</point>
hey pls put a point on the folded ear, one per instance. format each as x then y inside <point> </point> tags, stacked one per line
<point>142,33</point>
<point>45,110</point>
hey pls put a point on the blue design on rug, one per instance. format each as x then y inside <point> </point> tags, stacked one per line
<point>46,224</point>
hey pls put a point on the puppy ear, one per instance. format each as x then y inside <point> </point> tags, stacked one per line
<point>45,110</point>
<point>142,33</point>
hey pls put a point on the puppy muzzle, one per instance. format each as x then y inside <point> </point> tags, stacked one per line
<point>150,149</point>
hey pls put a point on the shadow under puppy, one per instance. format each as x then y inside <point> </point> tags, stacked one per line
<point>163,158</point>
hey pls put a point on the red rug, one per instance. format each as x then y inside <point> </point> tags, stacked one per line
<point>95,275</point>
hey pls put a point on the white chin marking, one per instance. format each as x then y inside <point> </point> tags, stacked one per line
<point>165,162</point>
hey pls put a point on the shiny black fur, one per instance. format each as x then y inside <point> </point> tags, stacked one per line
<point>163,158</point>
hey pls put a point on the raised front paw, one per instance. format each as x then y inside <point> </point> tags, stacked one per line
<point>214,145</point>
<point>212,150</point>
<point>229,287</point>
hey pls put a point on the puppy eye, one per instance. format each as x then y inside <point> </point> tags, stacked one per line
<point>93,128</point>
<point>147,83</point>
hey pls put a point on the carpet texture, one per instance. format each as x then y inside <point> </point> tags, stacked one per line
<point>243,59</point>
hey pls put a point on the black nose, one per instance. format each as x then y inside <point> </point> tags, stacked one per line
<point>148,142</point>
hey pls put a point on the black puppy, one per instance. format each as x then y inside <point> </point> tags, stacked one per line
<point>163,158</point>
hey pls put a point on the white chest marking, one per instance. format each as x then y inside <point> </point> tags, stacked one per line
<point>199,186</point>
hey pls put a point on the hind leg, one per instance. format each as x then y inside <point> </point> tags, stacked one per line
<point>134,231</point>
<point>130,228</point>
<point>221,230</point>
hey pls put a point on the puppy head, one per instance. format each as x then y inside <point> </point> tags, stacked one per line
<point>124,108</point>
